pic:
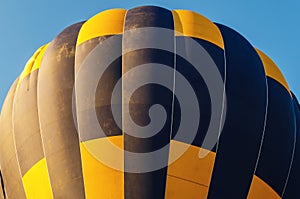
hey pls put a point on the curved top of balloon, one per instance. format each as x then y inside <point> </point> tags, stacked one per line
<point>149,103</point>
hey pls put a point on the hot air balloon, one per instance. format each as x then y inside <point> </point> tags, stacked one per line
<point>149,103</point>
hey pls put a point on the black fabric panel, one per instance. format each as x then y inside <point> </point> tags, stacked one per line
<point>85,48</point>
<point>9,164</point>
<point>58,130</point>
<point>242,133</point>
<point>150,184</point>
<point>2,188</point>
<point>103,95</point>
<point>277,149</point>
<point>198,84</point>
<point>292,189</point>
<point>149,16</point>
<point>140,115</point>
<point>27,135</point>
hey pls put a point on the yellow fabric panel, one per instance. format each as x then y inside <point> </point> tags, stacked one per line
<point>192,24</point>
<point>177,188</point>
<point>36,182</point>
<point>272,70</point>
<point>39,58</point>
<point>109,22</point>
<point>101,181</point>
<point>260,189</point>
<point>28,67</point>
<point>189,166</point>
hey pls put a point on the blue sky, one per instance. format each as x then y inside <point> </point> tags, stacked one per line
<point>272,26</point>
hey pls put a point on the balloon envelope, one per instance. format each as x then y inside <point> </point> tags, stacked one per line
<point>149,103</point>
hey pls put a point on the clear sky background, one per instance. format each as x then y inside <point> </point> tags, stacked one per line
<point>270,25</point>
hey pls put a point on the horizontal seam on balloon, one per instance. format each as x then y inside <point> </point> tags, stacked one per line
<point>187,180</point>
<point>193,37</point>
<point>78,44</point>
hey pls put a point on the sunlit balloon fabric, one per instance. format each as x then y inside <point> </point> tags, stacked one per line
<point>47,150</point>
